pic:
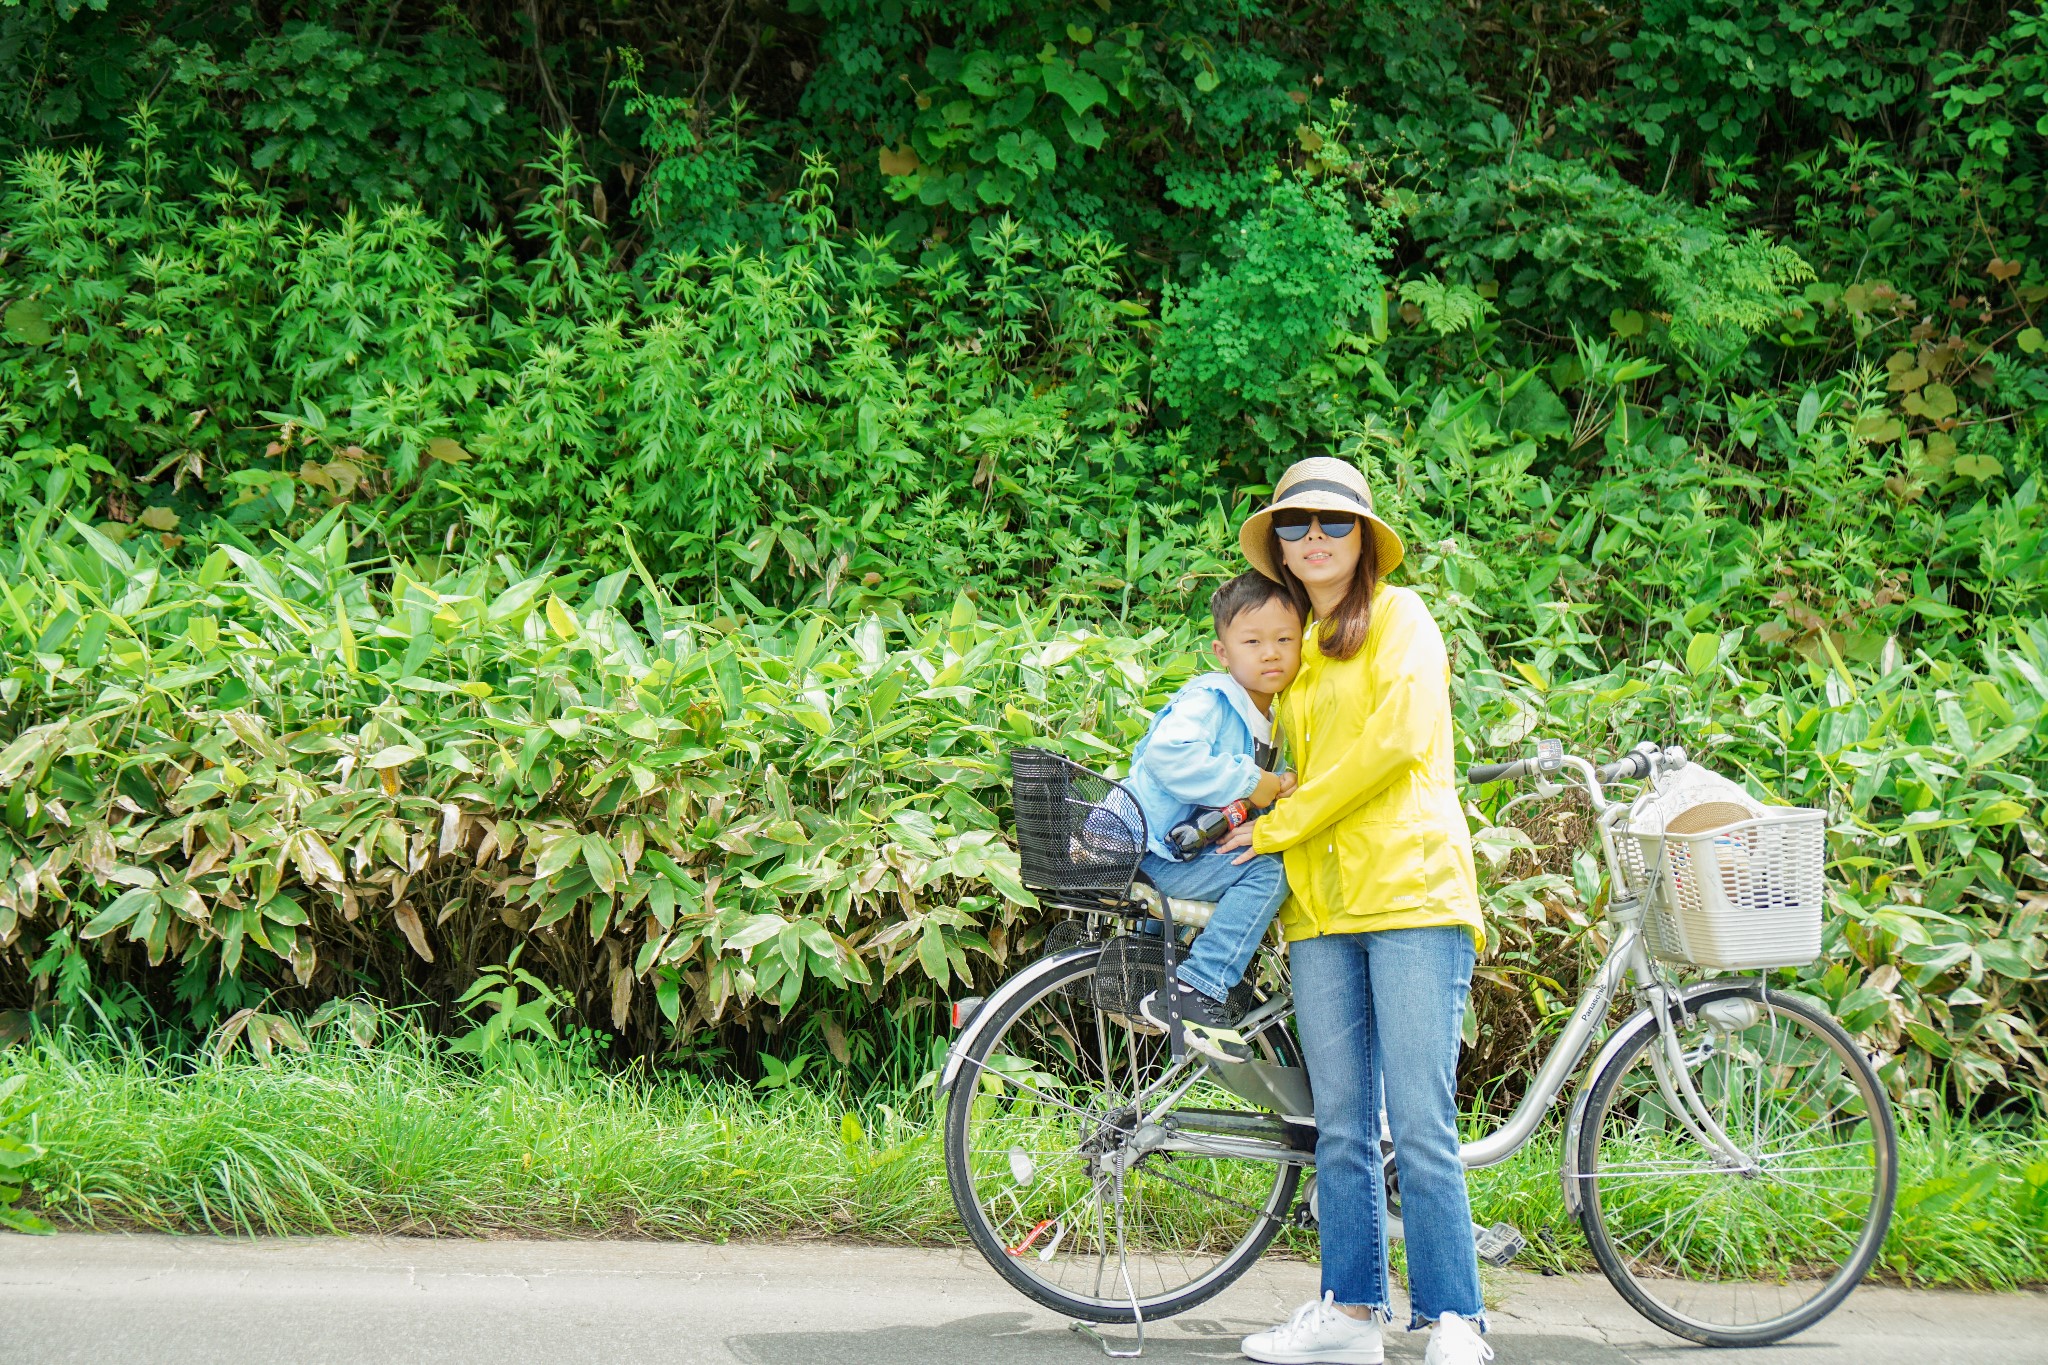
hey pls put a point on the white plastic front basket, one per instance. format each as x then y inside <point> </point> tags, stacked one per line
<point>1738,898</point>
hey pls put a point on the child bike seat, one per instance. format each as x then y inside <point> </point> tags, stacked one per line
<point>1192,914</point>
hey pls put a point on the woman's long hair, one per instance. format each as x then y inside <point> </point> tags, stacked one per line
<point>1343,633</point>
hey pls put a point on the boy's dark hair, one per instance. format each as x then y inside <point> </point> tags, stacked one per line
<point>1246,592</point>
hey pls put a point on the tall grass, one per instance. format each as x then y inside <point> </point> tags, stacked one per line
<point>394,1139</point>
<point>397,1138</point>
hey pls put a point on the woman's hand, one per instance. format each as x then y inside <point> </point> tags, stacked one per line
<point>1239,837</point>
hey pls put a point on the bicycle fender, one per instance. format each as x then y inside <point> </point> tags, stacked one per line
<point>1622,1037</point>
<point>1024,981</point>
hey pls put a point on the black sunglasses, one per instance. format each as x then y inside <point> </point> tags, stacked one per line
<point>1294,525</point>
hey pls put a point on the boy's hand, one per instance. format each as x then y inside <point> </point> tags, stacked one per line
<point>1239,837</point>
<point>1273,786</point>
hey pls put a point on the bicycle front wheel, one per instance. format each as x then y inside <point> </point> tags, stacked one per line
<point>1745,1243</point>
<point>1052,1171</point>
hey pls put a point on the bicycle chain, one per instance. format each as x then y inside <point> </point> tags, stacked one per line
<point>1211,1194</point>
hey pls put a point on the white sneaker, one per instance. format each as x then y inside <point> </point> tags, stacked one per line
<point>1318,1332</point>
<point>1455,1341</point>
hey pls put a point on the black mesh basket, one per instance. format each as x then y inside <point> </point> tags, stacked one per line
<point>1076,829</point>
<point>1071,933</point>
<point>1132,966</point>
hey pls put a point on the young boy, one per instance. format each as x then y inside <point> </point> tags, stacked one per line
<point>1205,750</point>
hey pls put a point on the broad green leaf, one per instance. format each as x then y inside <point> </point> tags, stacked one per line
<point>1701,653</point>
<point>120,911</point>
<point>1080,89</point>
<point>758,930</point>
<point>1809,412</point>
<point>606,869</point>
<point>27,324</point>
<point>557,854</point>
<point>561,620</point>
<point>931,952</point>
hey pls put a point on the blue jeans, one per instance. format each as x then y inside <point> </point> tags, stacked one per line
<point>1380,1014</point>
<point>1247,896</point>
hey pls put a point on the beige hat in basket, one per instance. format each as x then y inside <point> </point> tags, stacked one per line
<point>1696,800</point>
<point>1708,815</point>
<point>1319,484</point>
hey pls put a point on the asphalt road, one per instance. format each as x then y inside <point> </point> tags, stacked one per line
<point>100,1299</point>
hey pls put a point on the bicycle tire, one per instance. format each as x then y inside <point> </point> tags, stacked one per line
<point>1884,1140</point>
<point>959,1179</point>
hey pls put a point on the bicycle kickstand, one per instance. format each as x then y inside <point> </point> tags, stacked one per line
<point>1123,1267</point>
<point>1094,1334</point>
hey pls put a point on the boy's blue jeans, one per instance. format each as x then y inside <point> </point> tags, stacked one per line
<point>1380,1013</point>
<point>1247,896</point>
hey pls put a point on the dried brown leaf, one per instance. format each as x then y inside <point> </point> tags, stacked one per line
<point>408,920</point>
<point>622,995</point>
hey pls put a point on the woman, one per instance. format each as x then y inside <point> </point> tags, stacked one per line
<point>1383,924</point>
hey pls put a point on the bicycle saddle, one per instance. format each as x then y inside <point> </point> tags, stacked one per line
<point>1193,914</point>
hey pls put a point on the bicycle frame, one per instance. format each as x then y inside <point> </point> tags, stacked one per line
<point>1627,961</point>
<point>1160,1110</point>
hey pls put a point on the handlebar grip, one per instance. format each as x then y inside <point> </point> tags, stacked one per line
<point>1481,773</point>
<point>1632,765</point>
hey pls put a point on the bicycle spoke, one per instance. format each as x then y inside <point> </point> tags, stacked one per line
<point>1041,1142</point>
<point>1722,1246</point>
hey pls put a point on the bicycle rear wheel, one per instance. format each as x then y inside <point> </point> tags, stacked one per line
<point>1744,1252</point>
<point>1039,1143</point>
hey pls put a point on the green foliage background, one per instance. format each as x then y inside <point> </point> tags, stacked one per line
<point>685,442</point>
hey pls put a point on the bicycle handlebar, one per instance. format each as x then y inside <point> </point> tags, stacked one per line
<point>1630,766</point>
<point>1634,765</point>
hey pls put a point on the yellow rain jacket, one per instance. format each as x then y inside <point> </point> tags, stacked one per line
<point>1374,837</point>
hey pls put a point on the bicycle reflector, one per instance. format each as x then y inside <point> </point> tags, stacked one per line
<point>964,1010</point>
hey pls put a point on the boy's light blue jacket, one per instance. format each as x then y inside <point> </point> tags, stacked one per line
<point>1200,751</point>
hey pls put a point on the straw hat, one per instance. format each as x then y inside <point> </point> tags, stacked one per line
<point>1319,484</point>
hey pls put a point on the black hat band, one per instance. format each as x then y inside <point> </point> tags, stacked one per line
<point>1322,486</point>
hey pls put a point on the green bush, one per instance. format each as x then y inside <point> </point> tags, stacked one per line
<point>1272,336</point>
<point>292,776</point>
<point>282,771</point>
<point>823,419</point>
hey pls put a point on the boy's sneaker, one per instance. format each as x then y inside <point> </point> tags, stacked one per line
<point>1455,1341</point>
<point>1209,1024</point>
<point>1318,1331</point>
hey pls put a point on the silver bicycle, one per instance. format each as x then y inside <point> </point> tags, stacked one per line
<point>1729,1152</point>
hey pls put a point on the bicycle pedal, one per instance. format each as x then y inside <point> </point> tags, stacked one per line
<point>1499,1244</point>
